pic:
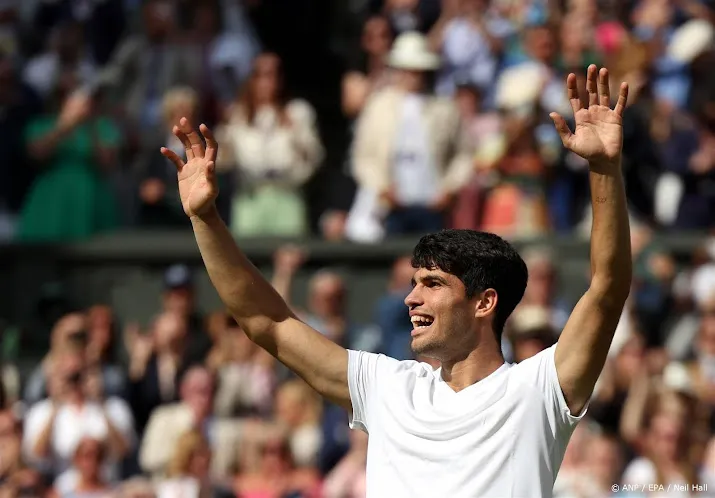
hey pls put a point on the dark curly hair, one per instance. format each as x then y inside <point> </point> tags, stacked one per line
<point>481,260</point>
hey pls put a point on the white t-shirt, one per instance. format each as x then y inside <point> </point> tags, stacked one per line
<point>503,436</point>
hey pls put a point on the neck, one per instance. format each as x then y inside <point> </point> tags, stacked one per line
<point>477,365</point>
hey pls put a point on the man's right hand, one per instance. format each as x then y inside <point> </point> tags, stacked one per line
<point>198,187</point>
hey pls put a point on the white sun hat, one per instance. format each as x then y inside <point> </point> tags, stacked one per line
<point>520,86</point>
<point>411,52</point>
<point>690,40</point>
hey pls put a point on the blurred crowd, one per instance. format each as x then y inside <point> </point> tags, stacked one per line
<point>445,107</point>
<point>187,406</point>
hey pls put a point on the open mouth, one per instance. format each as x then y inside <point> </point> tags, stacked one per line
<point>421,322</point>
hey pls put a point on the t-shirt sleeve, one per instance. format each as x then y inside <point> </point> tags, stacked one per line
<point>540,370</point>
<point>363,371</point>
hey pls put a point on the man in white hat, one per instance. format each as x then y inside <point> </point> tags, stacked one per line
<point>408,147</point>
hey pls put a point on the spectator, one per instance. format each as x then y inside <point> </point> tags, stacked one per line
<point>18,104</point>
<point>87,465</point>
<point>156,362</point>
<point>347,480</point>
<point>298,411</point>
<point>274,145</point>
<point>194,412</point>
<point>10,446</point>
<point>425,134</point>
<point>470,36</point>
<point>370,73</point>
<point>392,316</point>
<point>145,66</point>
<point>188,471</point>
<point>159,204</point>
<point>101,348</point>
<point>530,332</point>
<point>276,476</point>
<point>65,55</point>
<point>55,426</point>
<point>245,374</point>
<point>77,145</point>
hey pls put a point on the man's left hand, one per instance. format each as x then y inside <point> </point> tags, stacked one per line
<point>598,137</point>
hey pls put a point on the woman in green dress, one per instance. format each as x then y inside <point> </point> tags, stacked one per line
<point>70,199</point>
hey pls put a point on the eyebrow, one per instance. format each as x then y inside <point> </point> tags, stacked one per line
<point>430,277</point>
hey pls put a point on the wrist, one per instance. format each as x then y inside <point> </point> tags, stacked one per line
<point>210,216</point>
<point>604,165</point>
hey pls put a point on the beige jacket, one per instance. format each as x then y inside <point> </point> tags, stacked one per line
<point>168,423</point>
<point>376,136</point>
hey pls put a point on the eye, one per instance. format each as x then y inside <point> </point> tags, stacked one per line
<point>432,284</point>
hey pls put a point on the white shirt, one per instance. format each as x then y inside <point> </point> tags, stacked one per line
<point>503,436</point>
<point>414,170</point>
<point>73,424</point>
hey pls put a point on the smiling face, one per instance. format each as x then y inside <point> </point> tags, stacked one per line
<point>446,323</point>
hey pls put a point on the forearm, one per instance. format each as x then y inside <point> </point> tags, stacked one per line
<point>610,234</point>
<point>44,147</point>
<point>251,299</point>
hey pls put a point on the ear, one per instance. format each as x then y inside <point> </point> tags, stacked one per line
<point>486,303</point>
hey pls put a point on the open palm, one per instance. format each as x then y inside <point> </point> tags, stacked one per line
<point>598,136</point>
<point>198,188</point>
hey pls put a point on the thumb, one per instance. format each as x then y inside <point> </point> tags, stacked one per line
<point>562,128</point>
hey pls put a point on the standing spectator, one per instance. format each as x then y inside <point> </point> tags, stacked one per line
<point>274,144</point>
<point>77,146</point>
<point>409,148</point>
<point>369,73</point>
<point>66,54</point>
<point>18,104</point>
<point>54,427</point>
<point>193,412</point>
<point>470,36</point>
<point>245,374</point>
<point>145,66</point>
<point>158,201</point>
<point>156,362</point>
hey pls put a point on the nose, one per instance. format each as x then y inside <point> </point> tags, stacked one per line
<point>413,299</point>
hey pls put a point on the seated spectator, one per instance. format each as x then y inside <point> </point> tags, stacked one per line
<point>136,487</point>
<point>87,473</point>
<point>392,316</point>
<point>409,156</point>
<point>274,145</point>
<point>76,145</point>
<point>188,471</point>
<point>159,203</point>
<point>276,476</point>
<point>347,479</point>
<point>193,412</point>
<point>530,332</point>
<point>75,410</point>
<point>245,374</point>
<point>298,410</point>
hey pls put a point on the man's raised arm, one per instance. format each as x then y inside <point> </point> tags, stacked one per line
<point>257,307</point>
<point>584,343</point>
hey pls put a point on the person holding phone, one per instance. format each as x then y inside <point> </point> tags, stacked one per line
<point>55,426</point>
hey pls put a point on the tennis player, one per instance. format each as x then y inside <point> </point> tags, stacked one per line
<point>477,426</point>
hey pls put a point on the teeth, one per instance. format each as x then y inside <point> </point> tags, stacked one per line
<point>421,321</point>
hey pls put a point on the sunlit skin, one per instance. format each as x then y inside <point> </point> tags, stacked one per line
<point>460,334</point>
